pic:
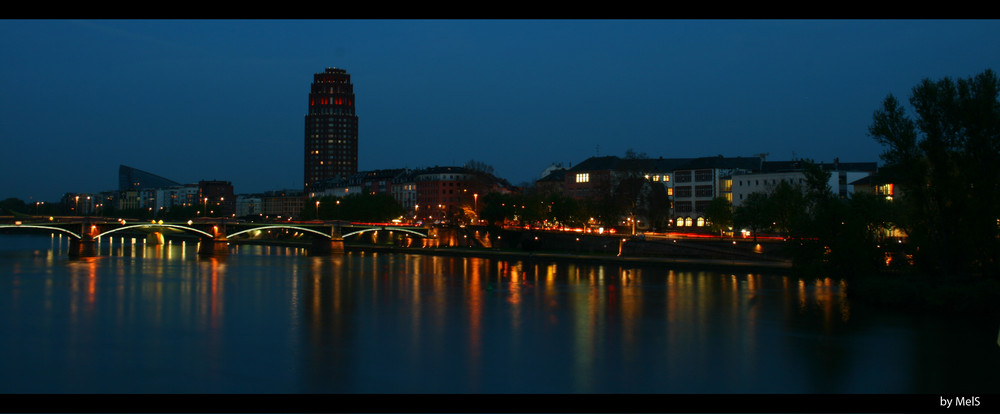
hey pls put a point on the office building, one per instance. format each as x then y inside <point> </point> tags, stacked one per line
<point>217,198</point>
<point>331,131</point>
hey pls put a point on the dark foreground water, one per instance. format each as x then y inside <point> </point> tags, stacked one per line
<point>273,320</point>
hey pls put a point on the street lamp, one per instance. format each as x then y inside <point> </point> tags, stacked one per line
<point>317,209</point>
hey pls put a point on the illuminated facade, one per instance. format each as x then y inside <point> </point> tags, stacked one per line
<point>177,196</point>
<point>702,179</point>
<point>842,181</point>
<point>282,204</point>
<point>597,177</point>
<point>217,198</point>
<point>446,193</point>
<point>591,179</point>
<point>331,130</point>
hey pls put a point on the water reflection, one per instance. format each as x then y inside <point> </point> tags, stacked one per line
<point>578,322</point>
<point>161,318</point>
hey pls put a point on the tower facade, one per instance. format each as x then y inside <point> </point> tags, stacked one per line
<point>331,147</point>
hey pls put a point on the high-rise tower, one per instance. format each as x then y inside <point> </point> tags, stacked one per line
<point>331,128</point>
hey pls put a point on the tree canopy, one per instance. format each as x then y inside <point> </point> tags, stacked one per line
<point>946,164</point>
<point>719,214</point>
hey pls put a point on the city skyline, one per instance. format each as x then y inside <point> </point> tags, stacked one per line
<point>206,100</point>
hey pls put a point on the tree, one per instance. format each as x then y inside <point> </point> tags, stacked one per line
<point>13,206</point>
<point>788,208</point>
<point>630,154</point>
<point>817,183</point>
<point>947,163</point>
<point>719,214</point>
<point>562,210</point>
<point>754,214</point>
<point>496,208</point>
<point>479,166</point>
<point>637,200</point>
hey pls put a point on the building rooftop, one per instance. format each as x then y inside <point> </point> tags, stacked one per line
<point>720,162</point>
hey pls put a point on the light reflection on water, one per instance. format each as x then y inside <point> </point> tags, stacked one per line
<point>273,319</point>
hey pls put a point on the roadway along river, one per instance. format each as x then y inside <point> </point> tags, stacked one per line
<point>160,319</point>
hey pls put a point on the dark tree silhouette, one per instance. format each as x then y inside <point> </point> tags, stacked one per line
<point>947,165</point>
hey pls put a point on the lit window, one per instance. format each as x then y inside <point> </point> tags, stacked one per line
<point>656,178</point>
<point>583,178</point>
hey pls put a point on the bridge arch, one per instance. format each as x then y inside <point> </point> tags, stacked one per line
<point>204,233</point>
<point>29,226</point>
<point>281,227</point>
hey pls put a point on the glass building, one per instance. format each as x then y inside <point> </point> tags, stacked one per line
<point>331,144</point>
<point>134,179</point>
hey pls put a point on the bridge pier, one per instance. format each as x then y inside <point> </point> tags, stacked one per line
<point>154,239</point>
<point>218,245</point>
<point>213,247</point>
<point>432,239</point>
<point>84,247</point>
<point>326,246</point>
<point>333,245</point>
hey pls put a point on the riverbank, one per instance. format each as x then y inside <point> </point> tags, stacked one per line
<point>742,264</point>
<point>972,297</point>
<point>590,258</point>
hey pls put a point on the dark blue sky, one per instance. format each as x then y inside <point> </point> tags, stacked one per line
<point>193,100</point>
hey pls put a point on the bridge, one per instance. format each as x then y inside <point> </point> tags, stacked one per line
<point>327,237</point>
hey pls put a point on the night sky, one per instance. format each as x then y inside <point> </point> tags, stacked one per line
<point>226,100</point>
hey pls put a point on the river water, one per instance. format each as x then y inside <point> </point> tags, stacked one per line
<point>161,319</point>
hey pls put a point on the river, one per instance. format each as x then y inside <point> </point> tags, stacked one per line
<point>265,319</point>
